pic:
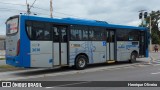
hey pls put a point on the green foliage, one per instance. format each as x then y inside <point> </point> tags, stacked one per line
<point>155,38</point>
<point>155,33</point>
<point>2,58</point>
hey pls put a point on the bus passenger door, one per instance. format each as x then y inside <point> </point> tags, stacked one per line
<point>142,44</point>
<point>110,45</point>
<point>59,45</point>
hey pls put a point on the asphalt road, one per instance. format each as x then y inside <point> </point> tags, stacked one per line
<point>140,71</point>
<point>125,73</point>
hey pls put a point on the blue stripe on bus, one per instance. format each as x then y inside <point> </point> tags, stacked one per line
<point>147,52</point>
<point>80,22</point>
<point>25,46</point>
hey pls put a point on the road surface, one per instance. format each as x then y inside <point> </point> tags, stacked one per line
<point>143,70</point>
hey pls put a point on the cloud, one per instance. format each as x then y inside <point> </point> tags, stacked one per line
<point>112,11</point>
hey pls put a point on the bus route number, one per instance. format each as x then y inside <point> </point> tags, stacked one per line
<point>36,50</point>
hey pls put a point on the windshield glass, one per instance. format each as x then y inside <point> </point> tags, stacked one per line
<point>12,26</point>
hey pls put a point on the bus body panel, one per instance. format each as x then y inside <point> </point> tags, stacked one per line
<point>12,41</point>
<point>107,57</point>
<point>63,54</point>
<point>95,50</point>
<point>24,45</point>
<point>13,35</point>
<point>125,48</point>
<point>112,51</point>
<point>41,54</point>
<point>47,53</point>
<point>56,58</point>
<point>59,56</point>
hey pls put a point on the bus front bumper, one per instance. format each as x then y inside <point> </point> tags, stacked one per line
<point>13,61</point>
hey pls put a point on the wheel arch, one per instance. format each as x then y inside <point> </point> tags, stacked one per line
<point>84,55</point>
<point>136,52</point>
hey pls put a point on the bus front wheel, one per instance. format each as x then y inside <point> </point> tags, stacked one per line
<point>133,57</point>
<point>81,62</point>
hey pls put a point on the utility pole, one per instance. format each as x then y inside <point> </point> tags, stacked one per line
<point>29,7</point>
<point>28,10</point>
<point>51,9</point>
<point>150,28</point>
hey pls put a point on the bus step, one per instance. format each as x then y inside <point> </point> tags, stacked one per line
<point>64,65</point>
<point>111,61</point>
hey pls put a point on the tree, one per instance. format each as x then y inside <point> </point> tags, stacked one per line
<point>155,38</point>
<point>155,20</point>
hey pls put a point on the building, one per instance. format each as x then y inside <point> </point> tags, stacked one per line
<point>2,42</point>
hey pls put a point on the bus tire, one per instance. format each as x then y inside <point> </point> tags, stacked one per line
<point>81,62</point>
<point>133,57</point>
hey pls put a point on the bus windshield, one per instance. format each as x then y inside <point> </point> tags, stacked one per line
<point>12,26</point>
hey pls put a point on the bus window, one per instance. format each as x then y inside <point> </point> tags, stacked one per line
<point>97,34</point>
<point>47,35</point>
<point>127,35</point>
<point>55,34</point>
<point>12,26</point>
<point>76,33</point>
<point>39,34</point>
<point>29,30</point>
<point>63,34</point>
<point>47,32</point>
<point>84,34</point>
<point>38,30</point>
<point>111,36</point>
<point>107,36</point>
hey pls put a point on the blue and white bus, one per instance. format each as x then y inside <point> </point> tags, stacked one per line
<point>33,41</point>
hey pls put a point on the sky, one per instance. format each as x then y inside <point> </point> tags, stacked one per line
<point>122,12</point>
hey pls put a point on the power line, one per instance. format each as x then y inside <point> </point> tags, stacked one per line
<point>33,3</point>
<point>29,7</point>
<point>9,9</point>
<point>56,12</point>
<point>36,8</point>
<point>12,4</point>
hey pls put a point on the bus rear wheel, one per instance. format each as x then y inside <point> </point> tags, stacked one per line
<point>81,62</point>
<point>133,57</point>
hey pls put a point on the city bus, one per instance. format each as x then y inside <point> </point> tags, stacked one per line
<point>33,41</point>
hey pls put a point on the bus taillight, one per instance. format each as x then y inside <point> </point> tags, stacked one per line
<point>18,47</point>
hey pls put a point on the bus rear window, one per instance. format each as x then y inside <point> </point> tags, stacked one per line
<point>12,26</point>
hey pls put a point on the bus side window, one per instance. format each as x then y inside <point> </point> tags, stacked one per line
<point>91,34</point>
<point>76,33</point>
<point>63,34</point>
<point>55,34</point>
<point>39,34</point>
<point>47,32</point>
<point>77,37</point>
<point>84,34</point>
<point>72,37</point>
<point>29,31</point>
<point>47,35</point>
<point>65,38</point>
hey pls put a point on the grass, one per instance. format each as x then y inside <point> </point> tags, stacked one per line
<point>2,58</point>
<point>4,68</point>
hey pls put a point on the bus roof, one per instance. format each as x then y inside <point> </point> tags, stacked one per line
<point>80,22</point>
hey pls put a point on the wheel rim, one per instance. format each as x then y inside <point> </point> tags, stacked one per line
<point>81,62</point>
<point>133,57</point>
